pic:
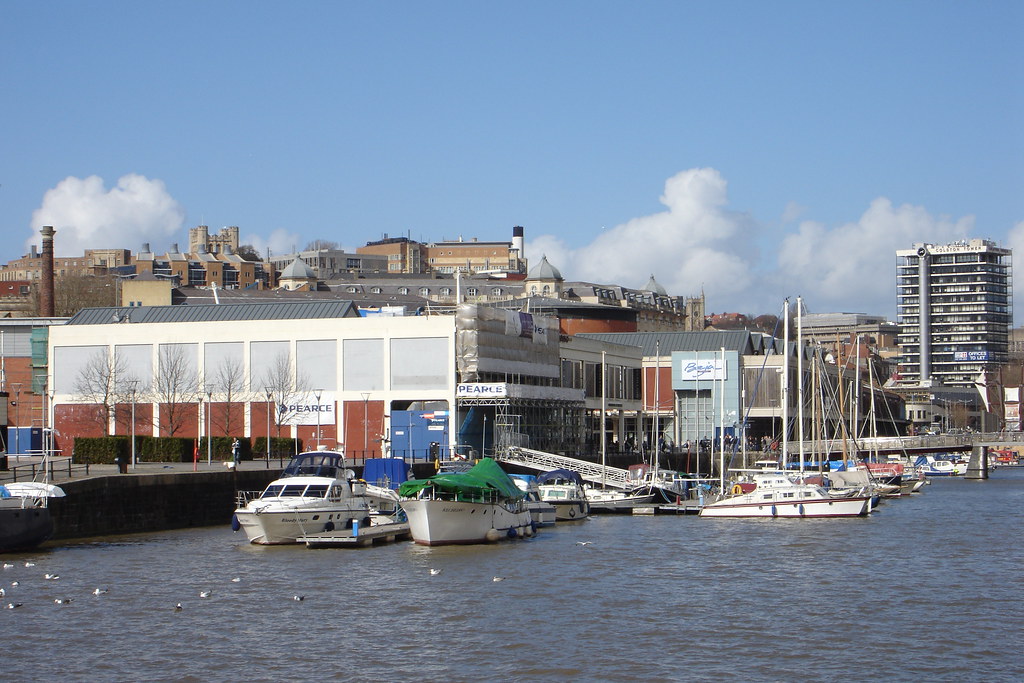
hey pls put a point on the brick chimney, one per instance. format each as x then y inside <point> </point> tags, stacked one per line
<point>46,284</point>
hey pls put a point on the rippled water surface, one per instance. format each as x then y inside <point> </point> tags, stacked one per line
<point>927,588</point>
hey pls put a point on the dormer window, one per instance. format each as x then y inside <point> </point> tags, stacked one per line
<point>403,290</point>
<point>446,291</point>
<point>424,291</point>
<point>376,290</point>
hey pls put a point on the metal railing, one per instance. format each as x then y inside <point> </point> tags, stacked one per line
<point>541,461</point>
<point>53,469</point>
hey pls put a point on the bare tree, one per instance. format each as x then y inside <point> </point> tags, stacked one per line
<point>176,387</point>
<point>229,382</point>
<point>316,245</point>
<point>72,293</point>
<point>284,389</point>
<point>104,381</point>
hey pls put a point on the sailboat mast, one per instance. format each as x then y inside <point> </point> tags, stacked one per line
<point>604,440</point>
<point>800,377</point>
<point>657,406</point>
<point>785,382</point>
<point>721,424</point>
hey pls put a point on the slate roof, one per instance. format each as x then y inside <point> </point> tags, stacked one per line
<point>292,310</point>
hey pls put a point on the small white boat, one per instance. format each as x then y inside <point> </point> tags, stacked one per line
<point>777,495</point>
<point>616,500</point>
<point>930,466</point>
<point>476,506</point>
<point>315,493</point>
<point>564,490</point>
<point>541,512</point>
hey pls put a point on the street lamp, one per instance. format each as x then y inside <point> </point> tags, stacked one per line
<point>268,393</point>
<point>366,419</point>
<point>317,393</point>
<point>209,427</point>
<point>17,418</point>
<point>134,384</point>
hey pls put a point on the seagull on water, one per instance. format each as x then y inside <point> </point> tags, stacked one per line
<point>435,572</point>
<point>50,577</point>
<point>177,608</point>
<point>7,565</point>
<point>62,601</point>
<point>205,594</point>
<point>2,592</point>
<point>30,564</point>
<point>236,579</point>
<point>13,605</point>
<point>298,598</point>
<point>583,542</point>
<point>498,578</point>
<point>15,583</point>
<point>100,591</point>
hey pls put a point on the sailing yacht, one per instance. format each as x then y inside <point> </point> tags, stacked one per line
<point>779,494</point>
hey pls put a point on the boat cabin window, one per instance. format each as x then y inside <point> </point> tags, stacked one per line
<point>337,493</point>
<point>317,491</point>
<point>273,491</point>
<point>292,490</point>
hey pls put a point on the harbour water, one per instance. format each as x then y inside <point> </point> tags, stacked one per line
<point>927,588</point>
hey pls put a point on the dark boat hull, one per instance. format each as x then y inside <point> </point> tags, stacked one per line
<point>24,528</point>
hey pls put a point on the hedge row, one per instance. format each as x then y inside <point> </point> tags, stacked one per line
<point>105,450</point>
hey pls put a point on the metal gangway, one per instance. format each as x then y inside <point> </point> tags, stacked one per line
<point>615,477</point>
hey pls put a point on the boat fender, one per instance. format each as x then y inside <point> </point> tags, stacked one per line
<point>329,526</point>
<point>512,533</point>
<point>801,509</point>
<point>493,534</point>
<point>774,511</point>
<point>533,527</point>
<point>235,524</point>
<point>737,490</point>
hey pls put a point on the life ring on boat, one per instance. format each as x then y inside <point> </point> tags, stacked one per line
<point>737,490</point>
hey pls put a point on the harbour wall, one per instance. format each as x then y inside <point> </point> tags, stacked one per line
<point>127,504</point>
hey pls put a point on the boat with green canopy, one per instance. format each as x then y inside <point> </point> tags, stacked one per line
<point>478,505</point>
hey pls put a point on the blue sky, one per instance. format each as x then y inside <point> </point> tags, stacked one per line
<point>750,150</point>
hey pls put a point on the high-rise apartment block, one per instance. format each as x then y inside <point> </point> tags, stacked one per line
<point>954,307</point>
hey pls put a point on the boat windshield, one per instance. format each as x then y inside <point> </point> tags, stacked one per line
<point>316,464</point>
<point>296,490</point>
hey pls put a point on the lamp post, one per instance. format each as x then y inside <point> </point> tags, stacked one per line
<point>209,427</point>
<point>268,393</point>
<point>317,393</point>
<point>134,384</point>
<point>366,419</point>
<point>17,418</point>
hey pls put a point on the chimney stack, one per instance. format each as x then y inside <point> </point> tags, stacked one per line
<point>46,285</point>
<point>517,240</point>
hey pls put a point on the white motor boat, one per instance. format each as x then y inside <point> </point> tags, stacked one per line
<point>930,466</point>
<point>315,493</point>
<point>617,500</point>
<point>777,495</point>
<point>564,489</point>
<point>476,506</point>
<point>541,512</point>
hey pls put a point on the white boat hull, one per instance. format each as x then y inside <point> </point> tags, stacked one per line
<point>834,507</point>
<point>448,522</point>
<point>273,527</point>
<point>571,511</point>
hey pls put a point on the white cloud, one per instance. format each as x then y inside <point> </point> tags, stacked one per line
<point>853,267</point>
<point>88,216</point>
<point>280,242</point>
<point>698,243</point>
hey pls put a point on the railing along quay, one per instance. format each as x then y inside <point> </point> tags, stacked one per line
<point>53,469</point>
